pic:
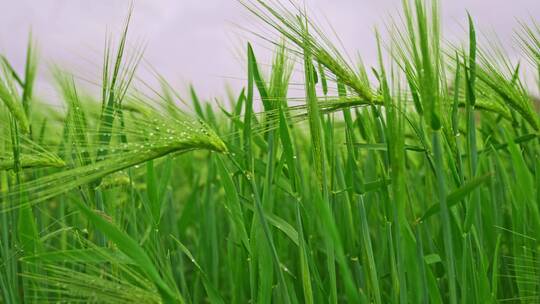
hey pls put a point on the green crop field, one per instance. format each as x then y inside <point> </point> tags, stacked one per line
<point>416,180</point>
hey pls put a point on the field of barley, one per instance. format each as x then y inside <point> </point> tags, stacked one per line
<point>416,180</point>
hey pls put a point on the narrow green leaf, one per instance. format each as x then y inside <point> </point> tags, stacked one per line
<point>459,194</point>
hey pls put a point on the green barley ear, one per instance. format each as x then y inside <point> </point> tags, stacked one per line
<point>31,155</point>
<point>418,52</point>
<point>78,275</point>
<point>529,36</point>
<point>115,180</point>
<point>75,121</point>
<point>280,76</point>
<point>8,92</point>
<point>499,78</point>
<point>117,76</point>
<point>209,140</point>
<point>149,138</point>
<point>8,95</point>
<point>28,161</point>
<point>314,117</point>
<point>29,75</point>
<point>285,21</point>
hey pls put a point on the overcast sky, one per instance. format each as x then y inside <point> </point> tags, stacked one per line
<point>198,40</point>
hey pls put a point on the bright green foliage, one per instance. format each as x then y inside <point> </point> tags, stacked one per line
<point>418,182</point>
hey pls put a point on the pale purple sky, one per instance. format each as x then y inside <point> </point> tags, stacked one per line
<point>198,41</point>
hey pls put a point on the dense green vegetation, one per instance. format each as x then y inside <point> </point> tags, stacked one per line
<point>413,181</point>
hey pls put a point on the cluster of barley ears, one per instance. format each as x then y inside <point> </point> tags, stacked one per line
<point>415,180</point>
